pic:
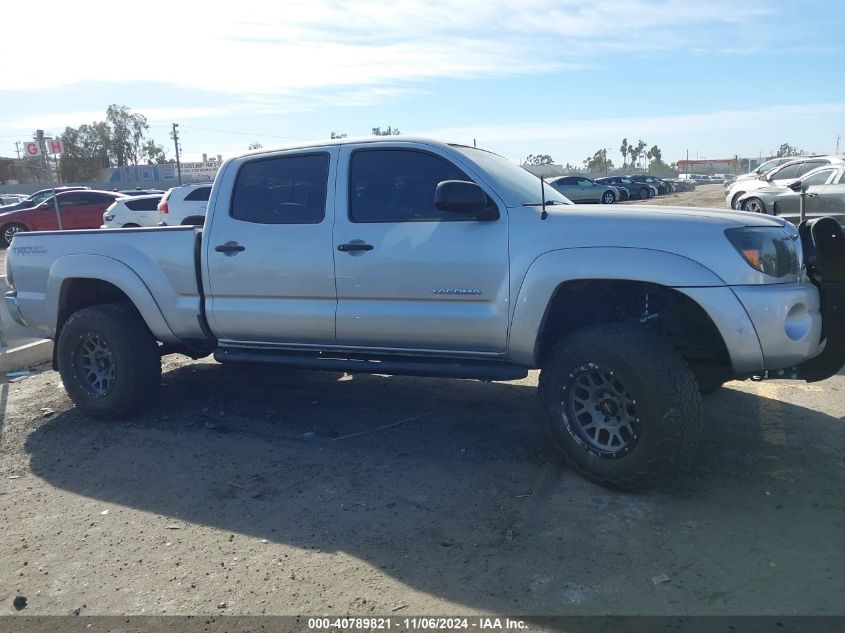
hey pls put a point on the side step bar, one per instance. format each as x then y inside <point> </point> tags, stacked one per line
<point>393,365</point>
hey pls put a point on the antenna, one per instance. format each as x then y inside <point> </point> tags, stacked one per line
<point>543,214</point>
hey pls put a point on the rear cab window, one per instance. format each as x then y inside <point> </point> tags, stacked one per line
<point>287,189</point>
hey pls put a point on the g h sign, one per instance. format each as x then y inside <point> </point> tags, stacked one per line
<point>31,149</point>
<point>54,146</point>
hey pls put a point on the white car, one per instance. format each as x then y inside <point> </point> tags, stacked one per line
<point>184,205</point>
<point>776,177</point>
<point>133,211</point>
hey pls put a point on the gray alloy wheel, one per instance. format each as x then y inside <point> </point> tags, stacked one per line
<point>608,198</point>
<point>754,205</point>
<point>94,365</point>
<point>10,230</point>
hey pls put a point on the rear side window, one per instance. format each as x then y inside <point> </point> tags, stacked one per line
<point>282,190</point>
<point>398,186</point>
<point>144,204</point>
<point>200,194</point>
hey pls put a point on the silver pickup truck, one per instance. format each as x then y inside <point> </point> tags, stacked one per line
<point>409,256</point>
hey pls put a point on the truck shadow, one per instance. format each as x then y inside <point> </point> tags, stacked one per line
<point>451,488</point>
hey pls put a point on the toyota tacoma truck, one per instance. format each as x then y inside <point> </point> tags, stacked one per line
<point>410,256</point>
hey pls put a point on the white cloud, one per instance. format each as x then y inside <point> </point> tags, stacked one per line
<point>262,47</point>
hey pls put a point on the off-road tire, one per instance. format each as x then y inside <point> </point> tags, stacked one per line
<point>133,351</point>
<point>662,385</point>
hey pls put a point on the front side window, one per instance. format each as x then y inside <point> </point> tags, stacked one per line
<point>282,190</point>
<point>790,171</point>
<point>818,178</point>
<point>397,185</point>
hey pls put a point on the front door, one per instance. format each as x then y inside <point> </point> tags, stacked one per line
<point>410,276</point>
<point>270,270</point>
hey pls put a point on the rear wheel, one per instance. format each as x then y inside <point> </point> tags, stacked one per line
<point>608,198</point>
<point>109,361</point>
<point>9,232</point>
<point>622,405</point>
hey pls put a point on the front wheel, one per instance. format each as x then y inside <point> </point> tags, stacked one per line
<point>622,405</point>
<point>9,232</point>
<point>754,205</point>
<point>109,361</point>
<point>644,194</point>
<point>608,198</point>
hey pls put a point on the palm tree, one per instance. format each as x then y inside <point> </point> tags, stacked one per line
<point>624,149</point>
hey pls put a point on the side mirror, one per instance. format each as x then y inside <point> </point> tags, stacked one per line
<point>795,185</point>
<point>763,177</point>
<point>460,196</point>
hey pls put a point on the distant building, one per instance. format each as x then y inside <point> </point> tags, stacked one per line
<point>546,171</point>
<point>204,171</point>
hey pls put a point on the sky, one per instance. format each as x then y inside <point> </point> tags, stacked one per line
<point>713,78</point>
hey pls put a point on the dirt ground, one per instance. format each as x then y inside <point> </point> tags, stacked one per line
<point>274,491</point>
<point>708,196</point>
<point>253,490</point>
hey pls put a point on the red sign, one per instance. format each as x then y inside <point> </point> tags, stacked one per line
<point>31,149</point>
<point>54,146</point>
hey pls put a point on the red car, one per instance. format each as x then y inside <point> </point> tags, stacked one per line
<point>78,209</point>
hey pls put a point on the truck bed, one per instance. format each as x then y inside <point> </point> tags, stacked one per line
<point>155,267</point>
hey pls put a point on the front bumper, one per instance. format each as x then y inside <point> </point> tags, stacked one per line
<point>787,319</point>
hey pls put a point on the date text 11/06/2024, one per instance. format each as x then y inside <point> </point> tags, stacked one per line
<point>417,623</point>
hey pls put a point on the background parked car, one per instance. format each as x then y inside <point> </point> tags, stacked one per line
<point>825,196</point>
<point>141,192</point>
<point>37,198</point>
<point>780,175</point>
<point>624,194</point>
<point>657,183</point>
<point>185,204</point>
<point>582,189</point>
<point>639,190</point>
<point>11,198</point>
<point>133,211</point>
<point>81,209</point>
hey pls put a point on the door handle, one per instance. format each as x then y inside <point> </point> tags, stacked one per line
<point>812,195</point>
<point>229,248</point>
<point>354,246</point>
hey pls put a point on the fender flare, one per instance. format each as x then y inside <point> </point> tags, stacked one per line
<point>554,268</point>
<point>115,272</point>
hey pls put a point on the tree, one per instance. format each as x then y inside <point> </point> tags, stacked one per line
<point>787,150</point>
<point>598,162</point>
<point>377,131</point>
<point>638,152</point>
<point>255,146</point>
<point>624,150</point>
<point>121,139</point>
<point>339,135</point>
<point>539,159</point>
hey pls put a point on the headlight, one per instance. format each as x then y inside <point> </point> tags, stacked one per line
<point>766,248</point>
<point>108,218</point>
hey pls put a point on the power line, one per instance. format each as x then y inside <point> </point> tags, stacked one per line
<point>210,129</point>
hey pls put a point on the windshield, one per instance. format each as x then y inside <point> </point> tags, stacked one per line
<point>513,183</point>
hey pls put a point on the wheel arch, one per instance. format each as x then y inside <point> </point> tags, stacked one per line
<point>605,285</point>
<point>79,281</point>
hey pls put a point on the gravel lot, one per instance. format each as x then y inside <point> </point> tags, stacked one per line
<point>708,196</point>
<point>252,490</point>
<point>243,486</point>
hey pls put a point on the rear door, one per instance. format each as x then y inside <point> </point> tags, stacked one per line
<point>144,210</point>
<point>832,199</point>
<point>410,276</point>
<point>568,186</point>
<point>196,202</point>
<point>269,274</point>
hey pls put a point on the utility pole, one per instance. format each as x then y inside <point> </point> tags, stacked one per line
<point>838,138</point>
<point>18,149</point>
<point>175,136</point>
